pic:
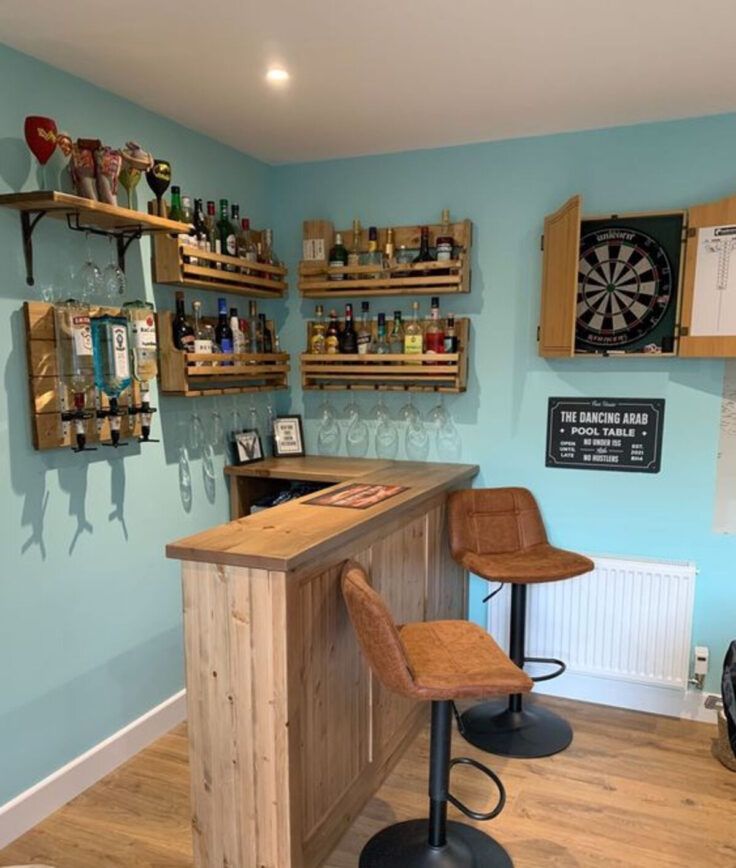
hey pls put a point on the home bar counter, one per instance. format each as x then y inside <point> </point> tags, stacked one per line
<point>289,734</point>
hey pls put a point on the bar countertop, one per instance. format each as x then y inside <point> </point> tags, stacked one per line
<point>290,535</point>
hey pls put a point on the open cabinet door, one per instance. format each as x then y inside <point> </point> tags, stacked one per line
<point>560,280</point>
<point>708,310</point>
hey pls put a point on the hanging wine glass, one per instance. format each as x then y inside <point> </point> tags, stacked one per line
<point>357,437</point>
<point>185,479</point>
<point>350,409</point>
<point>217,429</point>
<point>89,277</point>
<point>438,415</point>
<point>449,442</point>
<point>416,440</point>
<point>329,435</point>
<point>113,277</point>
<point>196,433</point>
<point>387,437</point>
<point>159,178</point>
<point>409,412</point>
<point>235,425</point>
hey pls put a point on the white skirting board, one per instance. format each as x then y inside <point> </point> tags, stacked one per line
<point>36,803</point>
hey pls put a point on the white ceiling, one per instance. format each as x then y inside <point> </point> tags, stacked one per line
<point>370,76</point>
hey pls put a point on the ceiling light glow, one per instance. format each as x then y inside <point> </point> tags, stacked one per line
<point>277,75</point>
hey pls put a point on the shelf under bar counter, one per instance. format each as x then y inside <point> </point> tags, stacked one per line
<point>289,734</point>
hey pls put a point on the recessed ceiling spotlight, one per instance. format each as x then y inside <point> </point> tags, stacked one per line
<point>277,75</point>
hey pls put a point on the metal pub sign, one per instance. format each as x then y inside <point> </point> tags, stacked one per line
<point>605,433</point>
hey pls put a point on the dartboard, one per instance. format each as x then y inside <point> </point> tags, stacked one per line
<point>625,286</point>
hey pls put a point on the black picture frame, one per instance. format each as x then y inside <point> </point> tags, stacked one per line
<point>248,447</point>
<point>288,437</point>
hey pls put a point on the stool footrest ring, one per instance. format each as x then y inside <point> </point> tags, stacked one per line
<point>477,815</point>
<point>561,667</point>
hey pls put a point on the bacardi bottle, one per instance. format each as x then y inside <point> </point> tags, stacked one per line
<point>143,344</point>
<point>76,368</point>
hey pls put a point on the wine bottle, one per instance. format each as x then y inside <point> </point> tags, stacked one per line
<point>226,234</point>
<point>396,340</point>
<point>332,335</point>
<point>435,335</point>
<point>223,332</point>
<point>175,209</point>
<point>349,338</point>
<point>365,336</point>
<point>183,333</point>
<point>425,254</point>
<point>413,337</point>
<point>267,338</point>
<point>338,257</point>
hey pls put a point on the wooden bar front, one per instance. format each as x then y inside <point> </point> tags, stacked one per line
<point>290,734</point>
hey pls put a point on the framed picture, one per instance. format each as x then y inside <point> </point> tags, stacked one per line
<point>248,447</point>
<point>288,436</point>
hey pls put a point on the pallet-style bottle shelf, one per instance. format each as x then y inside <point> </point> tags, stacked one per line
<point>318,280</point>
<point>84,215</point>
<point>179,264</point>
<point>191,375</point>
<point>425,372</point>
<point>46,396</point>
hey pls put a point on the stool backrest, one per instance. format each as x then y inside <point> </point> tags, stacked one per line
<point>376,631</point>
<point>494,521</point>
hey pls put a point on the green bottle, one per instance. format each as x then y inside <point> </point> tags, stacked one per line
<point>175,210</point>
<point>226,234</point>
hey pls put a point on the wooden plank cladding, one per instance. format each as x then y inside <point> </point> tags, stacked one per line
<point>195,374</point>
<point>181,264</point>
<point>317,279</point>
<point>442,372</point>
<point>47,393</point>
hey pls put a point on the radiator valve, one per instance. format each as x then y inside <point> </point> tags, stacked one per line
<point>700,670</point>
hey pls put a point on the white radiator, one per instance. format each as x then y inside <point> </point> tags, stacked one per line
<point>628,619</point>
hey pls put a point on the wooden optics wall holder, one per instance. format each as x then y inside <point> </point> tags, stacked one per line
<point>426,278</point>
<point>426,372</point>
<point>192,375</point>
<point>170,266</point>
<point>43,382</point>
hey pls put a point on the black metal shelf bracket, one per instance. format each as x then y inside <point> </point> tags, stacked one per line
<point>28,224</point>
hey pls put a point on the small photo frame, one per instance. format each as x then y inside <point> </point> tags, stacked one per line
<point>288,437</point>
<point>248,446</point>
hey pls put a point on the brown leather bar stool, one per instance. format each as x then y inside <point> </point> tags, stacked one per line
<point>498,534</point>
<point>436,661</point>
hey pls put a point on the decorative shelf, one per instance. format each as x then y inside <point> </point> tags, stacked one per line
<point>317,278</point>
<point>426,372</point>
<point>173,265</point>
<point>46,398</point>
<point>192,375</point>
<point>84,215</point>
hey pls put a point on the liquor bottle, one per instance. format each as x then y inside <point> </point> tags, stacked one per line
<point>451,341</point>
<point>247,249</point>
<point>255,344</point>
<point>434,335</point>
<point>235,216</point>
<point>338,257</point>
<point>187,211</point>
<point>226,234</point>
<point>112,365</point>
<point>424,255</point>
<point>143,345</point>
<point>403,257</point>
<point>445,241</point>
<point>276,343</point>
<point>396,340</point>
<point>317,337</point>
<point>365,335</point>
<point>213,239</point>
<point>381,347</point>
<point>245,332</point>
<point>183,333</point>
<point>223,332</point>
<point>238,336</point>
<point>266,332</point>
<point>388,251</point>
<point>354,254</point>
<point>332,335</point>
<point>200,232</point>
<point>76,367</point>
<point>413,338</point>
<point>175,208</point>
<point>349,337</point>
<point>373,257</point>
<point>268,256</point>
<point>203,333</point>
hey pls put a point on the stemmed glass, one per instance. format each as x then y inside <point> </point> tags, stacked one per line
<point>408,412</point>
<point>357,437</point>
<point>113,277</point>
<point>449,443</point>
<point>416,440</point>
<point>387,434</point>
<point>438,415</point>
<point>329,435</point>
<point>89,277</point>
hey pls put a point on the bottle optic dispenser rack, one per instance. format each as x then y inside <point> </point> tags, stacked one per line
<point>89,373</point>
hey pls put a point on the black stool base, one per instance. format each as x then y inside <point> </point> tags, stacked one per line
<point>531,732</point>
<point>404,845</point>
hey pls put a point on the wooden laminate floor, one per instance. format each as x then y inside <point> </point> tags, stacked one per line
<point>632,790</point>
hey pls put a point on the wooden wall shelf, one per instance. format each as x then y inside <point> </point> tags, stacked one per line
<point>84,215</point>
<point>426,372</point>
<point>46,400</point>
<point>316,278</point>
<point>192,375</point>
<point>172,265</point>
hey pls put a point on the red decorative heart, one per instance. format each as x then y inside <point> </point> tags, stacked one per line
<point>40,137</point>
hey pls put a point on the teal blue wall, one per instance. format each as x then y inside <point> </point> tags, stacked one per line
<point>90,628</point>
<point>506,188</point>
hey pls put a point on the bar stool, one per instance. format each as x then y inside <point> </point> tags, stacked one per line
<point>438,661</point>
<point>498,534</point>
